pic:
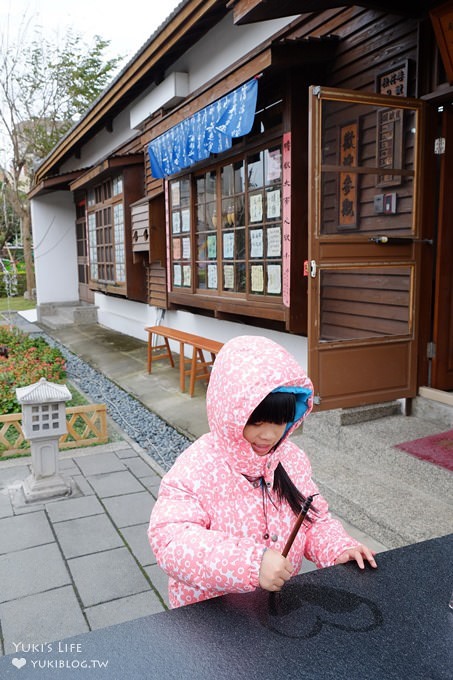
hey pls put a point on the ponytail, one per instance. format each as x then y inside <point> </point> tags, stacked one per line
<point>288,491</point>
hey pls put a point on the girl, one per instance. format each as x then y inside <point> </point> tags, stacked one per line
<point>227,506</point>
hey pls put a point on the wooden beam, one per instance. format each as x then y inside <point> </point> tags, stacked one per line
<point>109,165</point>
<point>251,11</point>
<point>54,183</point>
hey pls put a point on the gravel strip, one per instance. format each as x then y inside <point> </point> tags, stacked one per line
<point>159,440</point>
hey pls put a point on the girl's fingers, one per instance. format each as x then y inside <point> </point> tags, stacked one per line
<point>359,559</point>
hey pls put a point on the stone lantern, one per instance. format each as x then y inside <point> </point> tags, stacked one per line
<point>43,423</point>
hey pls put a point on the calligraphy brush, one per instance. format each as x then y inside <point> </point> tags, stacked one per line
<point>297,524</point>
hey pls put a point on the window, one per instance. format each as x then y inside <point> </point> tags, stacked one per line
<point>206,231</point>
<point>226,228</point>
<point>106,233</point>
<point>180,229</point>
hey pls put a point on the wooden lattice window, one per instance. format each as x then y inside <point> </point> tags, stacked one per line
<point>226,228</point>
<point>106,233</point>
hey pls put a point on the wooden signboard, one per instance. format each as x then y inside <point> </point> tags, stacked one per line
<point>347,218</point>
<point>394,80</point>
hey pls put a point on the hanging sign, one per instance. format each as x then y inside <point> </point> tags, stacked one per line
<point>286,214</point>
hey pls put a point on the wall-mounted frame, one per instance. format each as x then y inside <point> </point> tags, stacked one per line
<point>389,124</point>
<point>348,190</point>
<point>442,21</point>
<point>389,145</point>
<point>394,80</point>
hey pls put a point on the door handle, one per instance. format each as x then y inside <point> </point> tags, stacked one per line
<point>398,240</point>
<point>391,240</point>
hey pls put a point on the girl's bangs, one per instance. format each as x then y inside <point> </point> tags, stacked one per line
<point>277,407</point>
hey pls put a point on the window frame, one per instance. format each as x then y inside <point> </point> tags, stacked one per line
<point>245,302</point>
<point>102,199</point>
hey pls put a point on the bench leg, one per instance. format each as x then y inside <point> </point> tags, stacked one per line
<point>170,355</point>
<point>213,356</point>
<point>167,354</point>
<point>150,352</point>
<point>197,354</point>
<point>182,377</point>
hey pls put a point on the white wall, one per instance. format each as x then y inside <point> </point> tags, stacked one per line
<point>55,248</point>
<point>126,316</point>
<point>222,46</point>
<point>131,318</point>
<point>102,144</point>
<point>221,330</point>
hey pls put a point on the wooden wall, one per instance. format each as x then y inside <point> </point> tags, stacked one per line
<point>370,41</point>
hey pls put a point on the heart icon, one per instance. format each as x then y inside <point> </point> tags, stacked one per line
<point>19,662</point>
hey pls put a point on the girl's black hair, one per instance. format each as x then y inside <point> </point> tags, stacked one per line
<point>286,490</point>
<point>279,408</point>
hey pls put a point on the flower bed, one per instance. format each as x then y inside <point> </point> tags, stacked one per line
<point>23,361</point>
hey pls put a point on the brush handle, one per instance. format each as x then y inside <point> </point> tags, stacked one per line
<point>297,525</point>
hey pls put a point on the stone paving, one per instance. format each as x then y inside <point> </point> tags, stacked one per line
<point>71,565</point>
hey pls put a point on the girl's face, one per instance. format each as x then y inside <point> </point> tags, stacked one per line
<point>263,436</point>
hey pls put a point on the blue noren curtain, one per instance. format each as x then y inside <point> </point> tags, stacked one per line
<point>210,130</point>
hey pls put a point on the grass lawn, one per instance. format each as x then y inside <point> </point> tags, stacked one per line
<point>16,304</point>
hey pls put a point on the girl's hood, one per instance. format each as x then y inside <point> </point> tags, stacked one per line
<point>246,369</point>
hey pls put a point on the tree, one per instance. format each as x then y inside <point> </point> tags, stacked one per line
<point>45,87</point>
<point>9,223</point>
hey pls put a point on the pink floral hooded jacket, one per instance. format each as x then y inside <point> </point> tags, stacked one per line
<point>210,524</point>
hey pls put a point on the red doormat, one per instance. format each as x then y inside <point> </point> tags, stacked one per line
<point>437,449</point>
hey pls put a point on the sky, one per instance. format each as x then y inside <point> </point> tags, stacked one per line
<point>127,25</point>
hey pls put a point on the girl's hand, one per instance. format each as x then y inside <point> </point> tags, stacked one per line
<point>357,554</point>
<point>275,570</point>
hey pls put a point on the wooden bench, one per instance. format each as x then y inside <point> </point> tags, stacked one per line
<point>199,366</point>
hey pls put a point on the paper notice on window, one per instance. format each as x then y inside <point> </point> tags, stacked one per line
<point>176,222</point>
<point>212,276</point>
<point>228,276</point>
<point>185,220</point>
<point>176,248</point>
<point>256,208</point>
<point>186,248</point>
<point>212,247</point>
<point>274,242</point>
<point>273,204</point>
<point>274,279</point>
<point>257,278</point>
<point>186,272</point>
<point>228,245</point>
<point>177,275</point>
<point>274,165</point>
<point>256,243</point>
<point>175,194</point>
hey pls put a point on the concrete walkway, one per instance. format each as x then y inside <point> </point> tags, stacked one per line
<point>80,563</point>
<point>85,561</point>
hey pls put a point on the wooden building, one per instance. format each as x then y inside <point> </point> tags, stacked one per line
<point>325,222</point>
